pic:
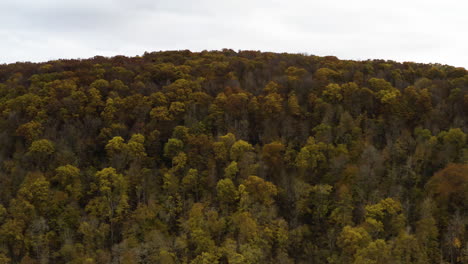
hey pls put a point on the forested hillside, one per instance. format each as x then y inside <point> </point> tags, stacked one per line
<point>233,157</point>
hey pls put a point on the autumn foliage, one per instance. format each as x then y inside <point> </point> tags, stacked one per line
<point>233,157</point>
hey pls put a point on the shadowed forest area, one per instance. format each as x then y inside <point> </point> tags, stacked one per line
<point>233,157</point>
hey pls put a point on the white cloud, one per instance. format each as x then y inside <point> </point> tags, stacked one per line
<point>421,31</point>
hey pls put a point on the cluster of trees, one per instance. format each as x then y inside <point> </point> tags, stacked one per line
<point>233,157</point>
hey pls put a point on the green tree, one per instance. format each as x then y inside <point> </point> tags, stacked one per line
<point>376,252</point>
<point>227,192</point>
<point>385,217</point>
<point>117,152</point>
<point>311,155</point>
<point>294,108</point>
<point>35,190</point>
<point>231,170</point>
<point>136,147</point>
<point>68,178</point>
<point>30,130</point>
<point>333,93</point>
<point>351,240</point>
<point>239,148</point>
<point>173,147</point>
<point>110,202</point>
<point>40,151</point>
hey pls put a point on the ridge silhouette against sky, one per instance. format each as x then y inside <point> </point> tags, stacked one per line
<point>421,31</point>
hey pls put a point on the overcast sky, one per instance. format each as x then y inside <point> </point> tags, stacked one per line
<point>401,30</point>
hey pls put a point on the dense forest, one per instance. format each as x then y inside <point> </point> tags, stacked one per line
<point>233,157</point>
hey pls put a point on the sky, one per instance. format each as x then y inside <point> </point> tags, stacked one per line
<point>401,30</point>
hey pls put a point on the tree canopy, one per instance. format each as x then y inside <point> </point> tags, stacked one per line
<point>233,157</point>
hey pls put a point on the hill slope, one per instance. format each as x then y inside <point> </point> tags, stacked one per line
<point>233,157</point>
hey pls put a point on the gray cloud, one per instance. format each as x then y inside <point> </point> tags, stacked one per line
<point>422,31</point>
